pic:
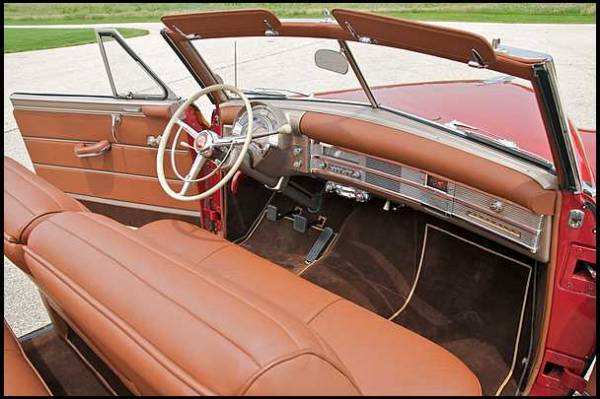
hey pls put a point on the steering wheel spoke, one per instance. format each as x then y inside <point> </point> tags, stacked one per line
<point>204,142</point>
<point>187,128</point>
<point>197,166</point>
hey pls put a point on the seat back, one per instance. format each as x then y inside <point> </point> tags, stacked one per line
<point>167,326</point>
<point>27,200</point>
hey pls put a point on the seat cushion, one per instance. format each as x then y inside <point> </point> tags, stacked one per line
<point>195,314</point>
<point>27,200</point>
<point>383,357</point>
<point>20,378</point>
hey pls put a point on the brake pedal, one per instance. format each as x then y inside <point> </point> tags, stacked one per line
<point>300,223</point>
<point>272,213</point>
<point>319,245</point>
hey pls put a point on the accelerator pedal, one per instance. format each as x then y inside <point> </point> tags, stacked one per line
<point>319,245</point>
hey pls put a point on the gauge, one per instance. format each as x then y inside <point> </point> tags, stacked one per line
<point>264,120</point>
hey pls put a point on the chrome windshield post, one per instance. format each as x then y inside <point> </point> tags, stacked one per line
<point>361,79</point>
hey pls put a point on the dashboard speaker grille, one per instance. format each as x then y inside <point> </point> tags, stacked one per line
<point>385,167</point>
<point>383,182</point>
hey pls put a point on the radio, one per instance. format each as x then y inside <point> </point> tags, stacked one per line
<point>340,170</point>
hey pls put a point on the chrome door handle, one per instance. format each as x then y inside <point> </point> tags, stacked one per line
<point>115,123</point>
<point>83,150</point>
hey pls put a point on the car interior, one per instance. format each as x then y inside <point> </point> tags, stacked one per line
<point>340,250</point>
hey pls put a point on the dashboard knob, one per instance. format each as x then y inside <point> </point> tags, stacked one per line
<point>497,206</point>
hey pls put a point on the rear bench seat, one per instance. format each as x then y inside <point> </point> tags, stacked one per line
<point>28,199</point>
<point>176,310</point>
<point>20,378</point>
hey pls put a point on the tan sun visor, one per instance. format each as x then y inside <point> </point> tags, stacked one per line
<point>415,36</point>
<point>224,24</point>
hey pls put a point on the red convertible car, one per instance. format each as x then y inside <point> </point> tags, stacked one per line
<point>314,220</point>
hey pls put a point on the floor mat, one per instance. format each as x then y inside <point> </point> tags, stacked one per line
<point>61,368</point>
<point>374,259</point>
<point>470,301</point>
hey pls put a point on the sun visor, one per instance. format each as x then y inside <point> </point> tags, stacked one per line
<point>415,36</point>
<point>224,24</point>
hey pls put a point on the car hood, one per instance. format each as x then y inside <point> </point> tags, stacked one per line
<point>500,110</point>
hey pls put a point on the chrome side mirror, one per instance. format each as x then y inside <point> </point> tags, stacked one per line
<point>331,60</point>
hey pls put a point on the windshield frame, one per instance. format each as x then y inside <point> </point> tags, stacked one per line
<point>183,28</point>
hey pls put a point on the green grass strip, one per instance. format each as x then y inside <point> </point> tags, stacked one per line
<point>73,13</point>
<point>27,39</point>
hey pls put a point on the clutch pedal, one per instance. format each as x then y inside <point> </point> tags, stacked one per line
<point>319,245</point>
<point>300,223</point>
<point>274,214</point>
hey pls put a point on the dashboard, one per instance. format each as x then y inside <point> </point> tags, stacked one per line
<point>358,176</point>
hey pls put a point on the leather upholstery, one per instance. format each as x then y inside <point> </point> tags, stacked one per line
<point>176,310</point>
<point>20,378</point>
<point>27,200</point>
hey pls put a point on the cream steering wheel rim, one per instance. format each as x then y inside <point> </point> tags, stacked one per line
<point>167,132</point>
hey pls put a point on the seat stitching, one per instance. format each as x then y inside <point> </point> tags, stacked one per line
<point>211,254</point>
<point>194,272</point>
<point>111,317</point>
<point>287,358</point>
<point>195,316</point>
<point>310,320</point>
<point>20,202</point>
<point>21,228</point>
<point>27,178</point>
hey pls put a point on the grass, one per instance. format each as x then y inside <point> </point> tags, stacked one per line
<point>82,13</point>
<point>23,39</point>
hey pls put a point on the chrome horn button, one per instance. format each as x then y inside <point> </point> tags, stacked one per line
<point>204,142</point>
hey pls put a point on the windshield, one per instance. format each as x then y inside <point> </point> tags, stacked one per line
<point>478,103</point>
<point>282,66</point>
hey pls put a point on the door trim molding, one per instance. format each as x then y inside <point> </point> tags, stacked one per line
<point>134,205</point>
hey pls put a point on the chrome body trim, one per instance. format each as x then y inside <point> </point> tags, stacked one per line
<point>547,83</point>
<point>114,33</point>
<point>82,104</point>
<point>357,72</point>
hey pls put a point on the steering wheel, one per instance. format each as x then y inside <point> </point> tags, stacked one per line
<point>204,144</point>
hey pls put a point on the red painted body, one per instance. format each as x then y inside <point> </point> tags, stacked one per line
<point>571,339</point>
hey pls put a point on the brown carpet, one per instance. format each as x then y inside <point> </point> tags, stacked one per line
<point>373,261</point>
<point>61,368</point>
<point>281,244</point>
<point>469,301</point>
<point>278,242</point>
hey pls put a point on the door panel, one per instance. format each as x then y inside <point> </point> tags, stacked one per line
<point>52,125</point>
<point>121,158</point>
<point>116,186</point>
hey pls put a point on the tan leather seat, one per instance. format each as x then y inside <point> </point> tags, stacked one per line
<point>207,317</point>
<point>20,378</point>
<point>27,200</point>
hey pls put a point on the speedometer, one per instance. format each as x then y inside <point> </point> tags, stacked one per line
<point>264,120</point>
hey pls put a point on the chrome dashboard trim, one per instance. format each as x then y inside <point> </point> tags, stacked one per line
<point>511,222</point>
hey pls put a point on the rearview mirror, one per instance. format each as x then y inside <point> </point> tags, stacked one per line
<point>331,60</point>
